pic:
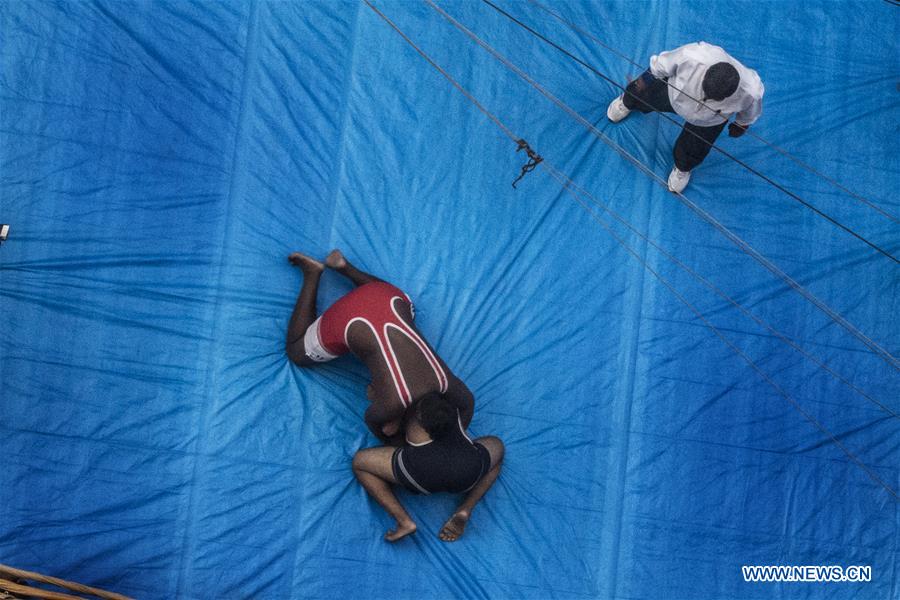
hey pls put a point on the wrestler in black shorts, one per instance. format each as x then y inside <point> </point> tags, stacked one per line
<point>438,457</point>
<point>453,463</point>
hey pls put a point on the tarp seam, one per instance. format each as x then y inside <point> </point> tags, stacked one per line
<point>634,341</point>
<point>213,363</point>
<point>344,127</point>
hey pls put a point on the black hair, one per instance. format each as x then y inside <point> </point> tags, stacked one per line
<point>435,414</point>
<point>721,80</point>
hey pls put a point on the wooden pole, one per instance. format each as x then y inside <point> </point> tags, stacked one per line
<point>31,592</point>
<point>69,585</point>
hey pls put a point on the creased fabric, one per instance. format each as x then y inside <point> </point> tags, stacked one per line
<point>158,162</point>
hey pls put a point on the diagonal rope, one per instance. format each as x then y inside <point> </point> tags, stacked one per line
<point>759,174</point>
<point>869,472</point>
<point>722,294</point>
<point>506,130</point>
<point>533,157</point>
<point>752,133</point>
<point>733,237</point>
<point>566,183</point>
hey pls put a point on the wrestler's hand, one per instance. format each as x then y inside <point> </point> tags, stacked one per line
<point>391,428</point>
<point>735,130</point>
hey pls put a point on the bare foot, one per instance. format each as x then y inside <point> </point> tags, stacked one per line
<point>306,264</point>
<point>403,529</point>
<point>335,260</point>
<point>454,527</point>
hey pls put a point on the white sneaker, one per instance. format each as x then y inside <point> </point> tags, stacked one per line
<point>678,180</point>
<point>617,109</point>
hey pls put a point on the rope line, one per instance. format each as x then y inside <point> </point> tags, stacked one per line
<point>562,179</point>
<point>533,158</point>
<point>728,233</point>
<point>752,133</point>
<point>759,174</point>
<point>724,295</point>
<point>556,173</point>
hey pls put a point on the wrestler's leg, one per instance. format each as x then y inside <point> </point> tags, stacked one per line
<point>305,309</point>
<point>339,263</point>
<point>372,467</point>
<point>456,524</point>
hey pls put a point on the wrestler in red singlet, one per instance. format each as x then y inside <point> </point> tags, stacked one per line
<point>374,322</point>
<point>375,305</point>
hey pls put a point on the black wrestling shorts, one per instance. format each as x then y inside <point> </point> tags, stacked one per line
<point>454,465</point>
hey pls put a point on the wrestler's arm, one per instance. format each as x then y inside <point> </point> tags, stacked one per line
<point>462,398</point>
<point>379,414</point>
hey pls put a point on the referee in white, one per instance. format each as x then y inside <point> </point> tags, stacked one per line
<point>705,85</point>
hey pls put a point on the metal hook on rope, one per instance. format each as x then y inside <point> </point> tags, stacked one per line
<point>534,159</point>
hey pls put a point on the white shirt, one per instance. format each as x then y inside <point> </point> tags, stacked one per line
<point>686,66</point>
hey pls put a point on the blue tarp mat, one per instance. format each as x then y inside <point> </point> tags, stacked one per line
<point>160,160</point>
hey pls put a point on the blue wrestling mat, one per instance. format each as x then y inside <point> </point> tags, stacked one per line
<point>685,386</point>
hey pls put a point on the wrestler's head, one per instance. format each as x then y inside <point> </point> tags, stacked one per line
<point>721,80</point>
<point>435,414</point>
